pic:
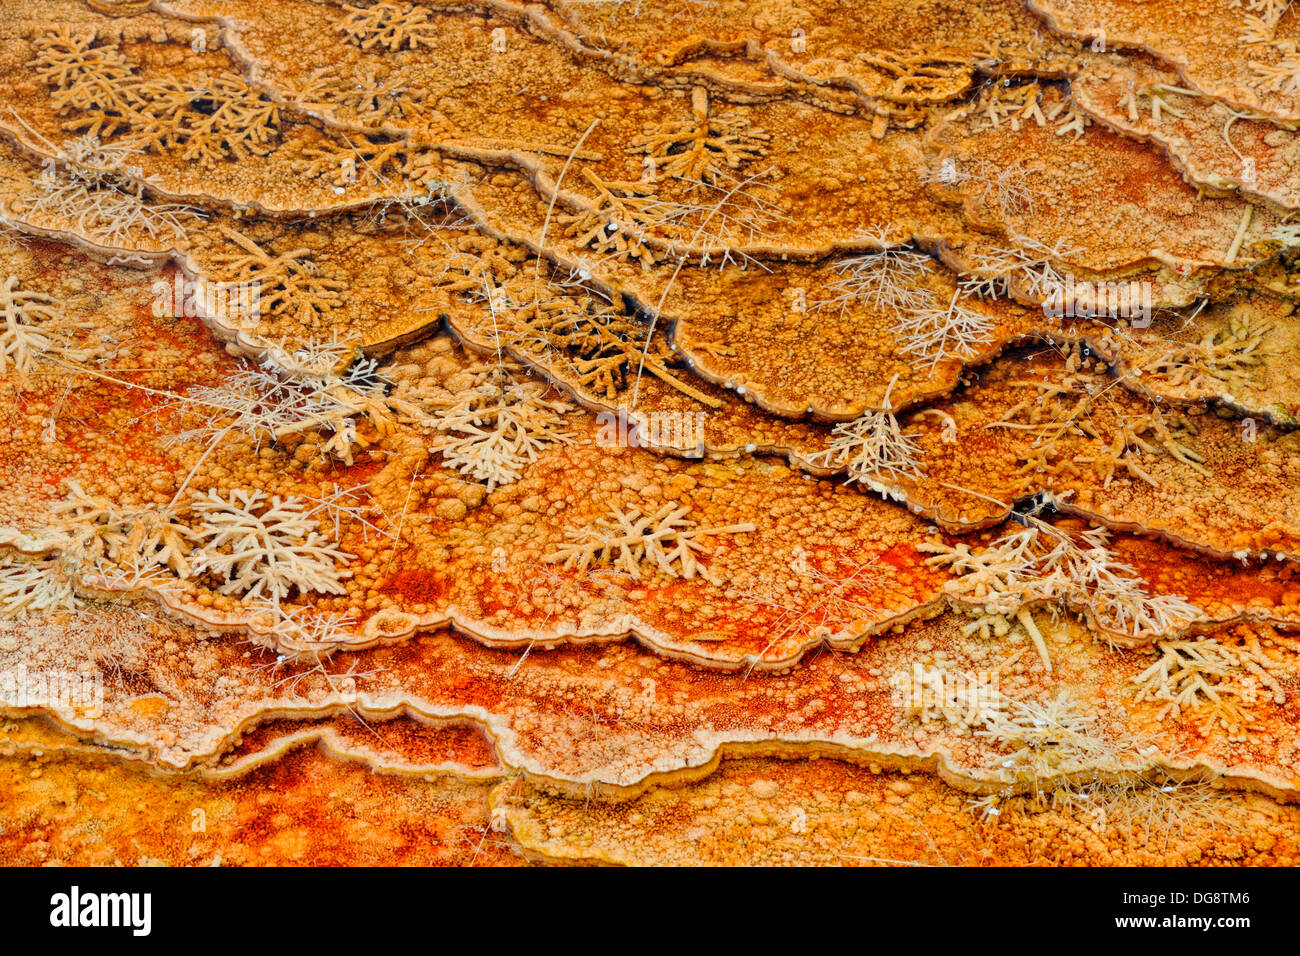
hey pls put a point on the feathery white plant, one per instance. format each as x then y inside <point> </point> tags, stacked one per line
<point>889,280</point>
<point>729,213</point>
<point>317,386</point>
<point>344,504</point>
<point>306,628</point>
<point>1061,758</point>
<point>260,546</point>
<point>262,403</point>
<point>873,448</point>
<point>94,187</point>
<point>1048,739</point>
<point>34,585</point>
<point>499,425</point>
<point>628,538</point>
<point>885,278</point>
<point>1204,674</point>
<point>23,338</point>
<point>1003,191</point>
<point>1270,11</point>
<point>1288,234</point>
<point>101,533</point>
<point>1030,265</point>
<point>937,333</point>
<point>1041,564</point>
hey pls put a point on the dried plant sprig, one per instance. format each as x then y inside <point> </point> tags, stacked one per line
<point>393,26</point>
<point>1041,564</point>
<point>499,425</point>
<point>628,539</point>
<point>701,147</point>
<point>260,545</point>
<point>874,449</point>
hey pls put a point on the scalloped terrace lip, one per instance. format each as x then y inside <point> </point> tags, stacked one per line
<point>616,434</point>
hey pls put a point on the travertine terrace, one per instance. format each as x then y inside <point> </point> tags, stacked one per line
<point>603,431</point>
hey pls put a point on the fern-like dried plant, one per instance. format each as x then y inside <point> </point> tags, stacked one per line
<point>628,538</point>
<point>497,426</point>
<point>96,190</point>
<point>288,283</point>
<point>34,586</point>
<point>260,546</point>
<point>1043,565</point>
<point>392,26</point>
<point>101,532</point>
<point>703,146</point>
<point>873,448</point>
